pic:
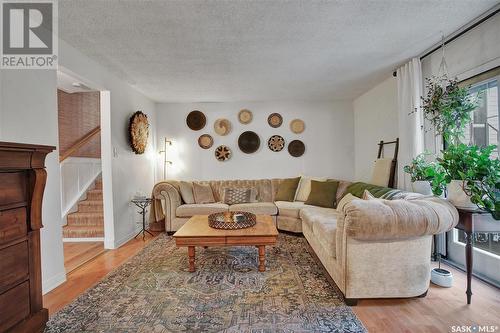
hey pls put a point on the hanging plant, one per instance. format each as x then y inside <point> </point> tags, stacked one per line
<point>448,107</point>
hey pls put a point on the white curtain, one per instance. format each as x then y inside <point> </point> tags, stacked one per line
<point>411,121</point>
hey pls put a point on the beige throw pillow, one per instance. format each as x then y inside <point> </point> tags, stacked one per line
<point>368,196</point>
<point>186,189</point>
<point>203,193</point>
<point>232,196</point>
<point>344,201</point>
<point>304,188</point>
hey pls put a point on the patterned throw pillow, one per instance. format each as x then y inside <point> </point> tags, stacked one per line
<point>234,196</point>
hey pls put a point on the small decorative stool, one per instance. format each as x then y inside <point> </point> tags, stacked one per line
<point>143,204</point>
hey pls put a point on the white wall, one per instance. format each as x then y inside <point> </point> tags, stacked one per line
<point>29,103</point>
<point>375,119</point>
<point>328,138</point>
<point>131,173</point>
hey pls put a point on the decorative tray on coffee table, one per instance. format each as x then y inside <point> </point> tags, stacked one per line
<point>231,220</point>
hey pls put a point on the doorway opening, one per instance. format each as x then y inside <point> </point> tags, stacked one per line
<point>82,197</point>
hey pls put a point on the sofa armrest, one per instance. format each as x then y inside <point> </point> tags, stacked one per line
<point>377,219</point>
<point>169,193</point>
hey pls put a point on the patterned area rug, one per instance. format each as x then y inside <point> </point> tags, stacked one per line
<point>154,292</point>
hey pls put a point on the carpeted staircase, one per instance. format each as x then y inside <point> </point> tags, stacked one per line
<point>88,221</point>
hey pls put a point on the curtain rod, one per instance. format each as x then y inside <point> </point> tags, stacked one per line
<point>461,33</point>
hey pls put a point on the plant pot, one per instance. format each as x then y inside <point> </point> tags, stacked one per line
<point>422,187</point>
<point>457,196</point>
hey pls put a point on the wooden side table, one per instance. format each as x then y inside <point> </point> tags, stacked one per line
<point>471,221</point>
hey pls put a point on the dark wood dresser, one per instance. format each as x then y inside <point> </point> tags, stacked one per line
<point>22,182</point>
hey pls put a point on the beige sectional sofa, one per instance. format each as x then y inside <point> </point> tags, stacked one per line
<point>371,248</point>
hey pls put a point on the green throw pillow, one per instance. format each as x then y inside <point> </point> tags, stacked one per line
<point>287,189</point>
<point>323,194</point>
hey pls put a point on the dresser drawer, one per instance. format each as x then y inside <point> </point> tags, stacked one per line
<point>15,305</point>
<point>13,224</point>
<point>15,159</point>
<point>14,265</point>
<point>12,187</point>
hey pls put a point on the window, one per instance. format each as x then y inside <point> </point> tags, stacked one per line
<point>483,131</point>
<point>484,127</point>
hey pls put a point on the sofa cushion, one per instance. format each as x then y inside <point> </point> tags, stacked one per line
<point>311,215</point>
<point>323,223</point>
<point>189,210</point>
<point>258,208</point>
<point>304,187</point>
<point>341,189</point>
<point>186,190</point>
<point>203,193</point>
<point>326,233</point>
<point>323,194</point>
<point>288,223</point>
<point>290,209</point>
<point>232,196</point>
<point>263,186</point>
<point>287,189</point>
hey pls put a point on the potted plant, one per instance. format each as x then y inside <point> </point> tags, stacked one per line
<point>448,108</point>
<point>422,174</point>
<point>473,177</point>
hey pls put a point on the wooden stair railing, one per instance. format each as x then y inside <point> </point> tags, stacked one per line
<point>80,143</point>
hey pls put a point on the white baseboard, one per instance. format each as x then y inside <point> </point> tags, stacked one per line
<point>125,239</point>
<point>83,239</point>
<point>53,282</point>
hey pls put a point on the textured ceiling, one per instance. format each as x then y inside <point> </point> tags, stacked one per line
<point>211,51</point>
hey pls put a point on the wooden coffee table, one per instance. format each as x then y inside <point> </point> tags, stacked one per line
<point>197,232</point>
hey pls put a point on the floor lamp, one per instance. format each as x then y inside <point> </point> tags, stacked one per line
<point>166,144</point>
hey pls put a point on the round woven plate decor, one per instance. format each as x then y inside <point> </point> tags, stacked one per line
<point>196,120</point>
<point>245,116</point>
<point>275,120</point>
<point>231,220</point>
<point>222,153</point>
<point>222,126</point>
<point>205,141</point>
<point>276,143</point>
<point>249,142</point>
<point>296,148</point>
<point>297,126</point>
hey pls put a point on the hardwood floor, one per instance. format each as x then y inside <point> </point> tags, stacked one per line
<point>90,274</point>
<point>437,312</point>
<point>78,253</point>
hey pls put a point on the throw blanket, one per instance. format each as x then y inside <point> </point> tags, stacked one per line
<point>358,188</point>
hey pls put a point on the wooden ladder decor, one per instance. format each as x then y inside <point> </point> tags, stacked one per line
<point>80,143</point>
<point>392,175</point>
